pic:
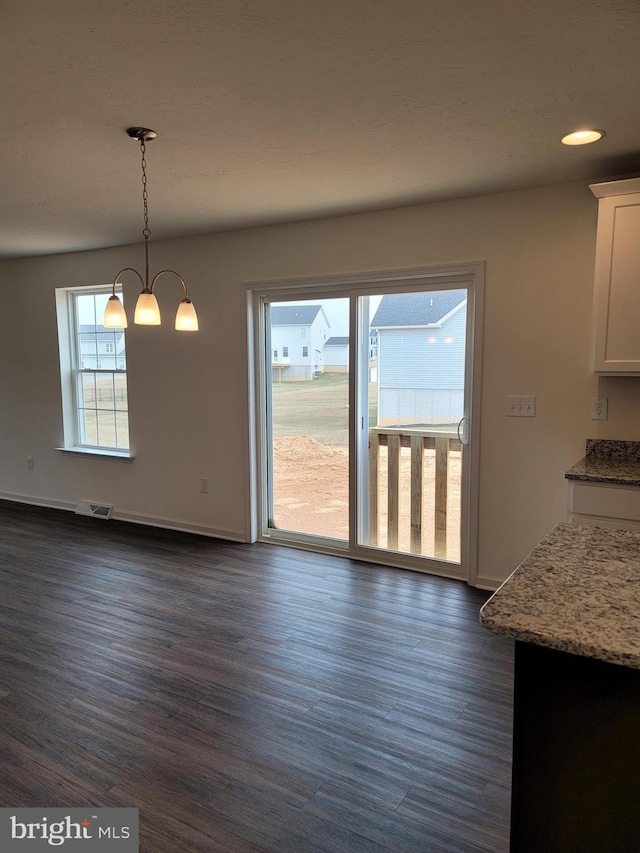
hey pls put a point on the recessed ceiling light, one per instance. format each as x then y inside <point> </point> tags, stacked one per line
<point>582,137</point>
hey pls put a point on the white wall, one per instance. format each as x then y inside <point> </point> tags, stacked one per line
<point>188,393</point>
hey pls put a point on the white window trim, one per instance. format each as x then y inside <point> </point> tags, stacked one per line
<point>67,341</point>
<point>100,453</point>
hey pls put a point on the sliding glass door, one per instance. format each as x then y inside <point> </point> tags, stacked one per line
<point>364,403</point>
<point>412,394</point>
<point>307,389</point>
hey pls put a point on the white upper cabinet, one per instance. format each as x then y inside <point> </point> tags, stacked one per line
<point>617,278</point>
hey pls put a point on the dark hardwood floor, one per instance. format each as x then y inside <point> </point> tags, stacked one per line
<point>248,698</point>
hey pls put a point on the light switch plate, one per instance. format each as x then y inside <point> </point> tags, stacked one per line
<point>521,407</point>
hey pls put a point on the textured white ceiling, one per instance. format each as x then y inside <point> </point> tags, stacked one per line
<point>275,110</point>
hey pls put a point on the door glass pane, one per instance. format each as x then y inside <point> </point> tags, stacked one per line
<point>415,378</point>
<point>309,416</point>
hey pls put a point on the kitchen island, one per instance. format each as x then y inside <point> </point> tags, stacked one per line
<point>573,608</point>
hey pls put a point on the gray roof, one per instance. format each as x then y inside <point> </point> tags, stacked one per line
<point>336,341</point>
<point>294,315</point>
<point>416,309</point>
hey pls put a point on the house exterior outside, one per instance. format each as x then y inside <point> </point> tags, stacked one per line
<point>298,337</point>
<point>101,348</point>
<point>373,355</point>
<point>336,355</point>
<point>421,358</point>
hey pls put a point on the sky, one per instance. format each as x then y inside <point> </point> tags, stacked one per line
<point>336,311</point>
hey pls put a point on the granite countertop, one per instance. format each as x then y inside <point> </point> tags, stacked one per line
<point>578,592</point>
<point>607,461</point>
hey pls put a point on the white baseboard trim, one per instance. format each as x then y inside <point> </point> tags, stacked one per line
<point>133,518</point>
<point>35,501</point>
<point>490,584</point>
<point>180,525</point>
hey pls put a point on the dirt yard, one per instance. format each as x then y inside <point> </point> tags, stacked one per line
<point>310,460</point>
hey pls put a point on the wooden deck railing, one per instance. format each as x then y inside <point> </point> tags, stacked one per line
<point>443,443</point>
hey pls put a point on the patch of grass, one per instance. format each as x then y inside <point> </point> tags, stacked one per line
<point>318,408</point>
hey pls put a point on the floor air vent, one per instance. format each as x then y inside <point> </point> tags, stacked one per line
<point>97,510</point>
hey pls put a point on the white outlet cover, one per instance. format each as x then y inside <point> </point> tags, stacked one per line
<point>599,408</point>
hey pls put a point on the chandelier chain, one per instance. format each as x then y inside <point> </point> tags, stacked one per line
<point>146,231</point>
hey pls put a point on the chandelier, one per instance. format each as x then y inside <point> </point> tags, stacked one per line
<point>147,311</point>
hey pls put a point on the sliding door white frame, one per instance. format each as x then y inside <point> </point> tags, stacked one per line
<point>258,294</point>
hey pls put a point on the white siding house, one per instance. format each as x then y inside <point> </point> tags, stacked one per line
<point>421,358</point>
<point>101,348</point>
<point>336,355</point>
<point>298,336</point>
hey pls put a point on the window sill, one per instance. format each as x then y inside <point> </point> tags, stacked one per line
<point>120,455</point>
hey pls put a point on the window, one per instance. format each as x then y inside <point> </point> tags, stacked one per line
<point>275,355</point>
<point>303,331</point>
<point>93,372</point>
<point>285,352</point>
<point>305,352</point>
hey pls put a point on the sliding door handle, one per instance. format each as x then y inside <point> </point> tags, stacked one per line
<point>462,431</point>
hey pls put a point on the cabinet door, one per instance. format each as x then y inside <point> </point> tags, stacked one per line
<point>597,503</point>
<point>617,286</point>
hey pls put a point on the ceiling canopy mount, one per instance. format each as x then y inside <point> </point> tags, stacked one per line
<point>141,133</point>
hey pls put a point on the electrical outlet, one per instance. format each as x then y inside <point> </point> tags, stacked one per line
<point>521,407</point>
<point>204,485</point>
<point>599,409</point>
<point>30,463</point>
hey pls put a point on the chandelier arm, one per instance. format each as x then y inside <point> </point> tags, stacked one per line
<point>158,274</point>
<point>125,269</point>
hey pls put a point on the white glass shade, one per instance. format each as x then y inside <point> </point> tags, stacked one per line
<point>186,317</point>
<point>147,310</point>
<point>114,316</point>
